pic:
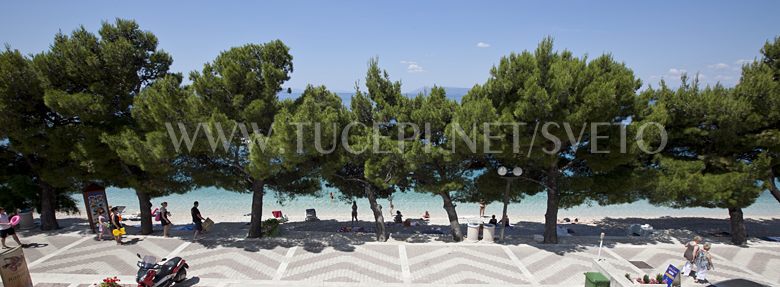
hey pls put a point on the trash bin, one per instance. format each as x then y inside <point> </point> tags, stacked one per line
<point>595,279</point>
<point>488,233</point>
<point>473,232</point>
<point>26,220</point>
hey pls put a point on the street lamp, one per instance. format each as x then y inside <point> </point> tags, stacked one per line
<point>504,173</point>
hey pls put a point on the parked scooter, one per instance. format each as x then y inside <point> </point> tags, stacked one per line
<point>162,274</point>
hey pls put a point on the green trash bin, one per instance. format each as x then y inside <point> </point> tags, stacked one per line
<point>595,279</point>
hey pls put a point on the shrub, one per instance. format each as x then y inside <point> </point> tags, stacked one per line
<point>270,227</point>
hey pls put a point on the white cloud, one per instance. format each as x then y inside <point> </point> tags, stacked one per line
<point>483,45</point>
<point>718,66</point>
<point>413,67</point>
<point>676,72</point>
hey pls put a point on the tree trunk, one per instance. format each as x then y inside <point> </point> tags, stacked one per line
<point>255,225</point>
<point>145,203</point>
<point>773,187</point>
<point>504,218</point>
<point>738,232</point>
<point>452,215</point>
<point>48,207</point>
<point>551,216</point>
<point>381,233</point>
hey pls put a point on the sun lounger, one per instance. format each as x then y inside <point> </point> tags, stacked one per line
<point>311,215</point>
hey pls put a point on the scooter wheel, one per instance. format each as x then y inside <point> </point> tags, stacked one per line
<point>181,276</point>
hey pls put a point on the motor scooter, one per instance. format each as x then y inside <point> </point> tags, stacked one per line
<point>160,274</point>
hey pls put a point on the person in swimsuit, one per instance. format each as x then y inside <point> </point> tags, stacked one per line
<point>116,224</point>
<point>164,220</point>
<point>354,211</point>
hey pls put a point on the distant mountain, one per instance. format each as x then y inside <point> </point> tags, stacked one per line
<point>452,92</point>
<point>346,97</point>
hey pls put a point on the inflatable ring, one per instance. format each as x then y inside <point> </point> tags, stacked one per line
<point>15,220</point>
<point>116,232</point>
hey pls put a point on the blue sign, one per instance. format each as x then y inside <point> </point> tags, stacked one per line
<point>670,274</point>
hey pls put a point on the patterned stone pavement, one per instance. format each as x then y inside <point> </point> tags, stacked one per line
<point>72,261</point>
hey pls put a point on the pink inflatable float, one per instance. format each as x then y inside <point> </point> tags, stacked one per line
<point>15,220</point>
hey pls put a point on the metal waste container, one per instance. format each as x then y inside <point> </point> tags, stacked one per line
<point>595,279</point>
<point>488,233</point>
<point>473,232</point>
<point>26,220</point>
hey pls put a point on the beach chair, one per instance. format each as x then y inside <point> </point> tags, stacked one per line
<point>311,215</point>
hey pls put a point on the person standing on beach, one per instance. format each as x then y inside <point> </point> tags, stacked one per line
<point>197,219</point>
<point>116,224</point>
<point>354,211</point>
<point>164,220</point>
<point>691,250</point>
<point>703,263</point>
<point>7,229</point>
<point>482,208</point>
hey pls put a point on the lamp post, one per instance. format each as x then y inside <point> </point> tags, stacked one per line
<point>504,173</point>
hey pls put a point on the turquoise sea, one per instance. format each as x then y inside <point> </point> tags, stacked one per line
<point>225,204</point>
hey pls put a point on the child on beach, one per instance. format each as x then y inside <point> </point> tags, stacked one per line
<point>102,223</point>
<point>703,263</point>
<point>691,250</point>
<point>398,217</point>
<point>7,229</point>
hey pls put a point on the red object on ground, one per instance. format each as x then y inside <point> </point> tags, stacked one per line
<point>277,213</point>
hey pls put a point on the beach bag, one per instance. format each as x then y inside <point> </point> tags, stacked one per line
<point>156,214</point>
<point>689,253</point>
<point>208,224</point>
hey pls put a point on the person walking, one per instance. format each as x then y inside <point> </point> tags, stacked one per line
<point>102,223</point>
<point>354,211</point>
<point>7,229</point>
<point>164,219</point>
<point>116,224</point>
<point>197,219</point>
<point>691,250</point>
<point>482,206</point>
<point>703,263</point>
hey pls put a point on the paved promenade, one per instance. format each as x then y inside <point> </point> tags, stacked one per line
<point>67,260</point>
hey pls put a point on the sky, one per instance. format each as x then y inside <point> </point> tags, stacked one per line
<point>426,43</point>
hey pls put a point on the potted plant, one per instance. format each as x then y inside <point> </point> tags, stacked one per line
<point>109,282</point>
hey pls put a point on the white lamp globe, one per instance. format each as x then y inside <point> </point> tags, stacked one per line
<point>517,171</point>
<point>502,171</point>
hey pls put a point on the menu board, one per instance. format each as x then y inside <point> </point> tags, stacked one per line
<point>94,199</point>
<point>13,268</point>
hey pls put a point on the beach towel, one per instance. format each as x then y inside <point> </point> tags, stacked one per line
<point>188,227</point>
